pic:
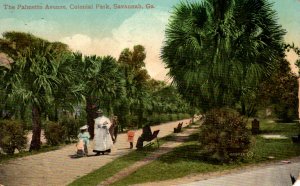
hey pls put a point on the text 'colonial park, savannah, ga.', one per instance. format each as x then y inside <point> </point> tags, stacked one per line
<point>76,6</point>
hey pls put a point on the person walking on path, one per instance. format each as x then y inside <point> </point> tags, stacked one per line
<point>130,137</point>
<point>113,130</point>
<point>102,138</point>
<point>84,136</point>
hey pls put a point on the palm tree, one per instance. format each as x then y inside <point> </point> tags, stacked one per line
<point>101,84</point>
<point>34,74</point>
<point>136,77</point>
<point>219,51</point>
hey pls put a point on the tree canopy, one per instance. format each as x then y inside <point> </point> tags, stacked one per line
<point>219,51</point>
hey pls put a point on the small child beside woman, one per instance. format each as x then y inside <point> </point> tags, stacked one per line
<point>83,141</point>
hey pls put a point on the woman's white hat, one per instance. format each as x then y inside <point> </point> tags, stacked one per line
<point>84,127</point>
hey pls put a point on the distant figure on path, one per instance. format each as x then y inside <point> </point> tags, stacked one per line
<point>146,136</point>
<point>113,130</point>
<point>102,138</point>
<point>130,137</point>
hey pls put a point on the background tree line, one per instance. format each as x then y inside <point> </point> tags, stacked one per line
<point>46,81</point>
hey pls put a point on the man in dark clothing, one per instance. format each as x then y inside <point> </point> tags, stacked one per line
<point>146,136</point>
<point>113,130</point>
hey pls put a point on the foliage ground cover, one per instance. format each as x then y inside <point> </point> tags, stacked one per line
<point>186,159</point>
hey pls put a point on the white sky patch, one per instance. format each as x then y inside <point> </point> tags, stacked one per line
<point>40,27</point>
<point>145,28</point>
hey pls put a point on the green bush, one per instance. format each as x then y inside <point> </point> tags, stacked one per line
<point>153,119</point>
<point>54,133</point>
<point>285,112</point>
<point>186,116</point>
<point>12,136</point>
<point>173,117</point>
<point>164,118</point>
<point>224,136</point>
<point>71,127</point>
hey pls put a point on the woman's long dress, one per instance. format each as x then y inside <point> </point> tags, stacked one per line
<point>102,137</point>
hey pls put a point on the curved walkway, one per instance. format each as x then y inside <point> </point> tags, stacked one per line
<point>57,168</point>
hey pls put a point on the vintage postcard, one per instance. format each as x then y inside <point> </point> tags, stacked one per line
<point>149,92</point>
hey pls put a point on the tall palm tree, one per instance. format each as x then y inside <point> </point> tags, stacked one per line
<point>68,94</point>
<point>33,76</point>
<point>101,83</point>
<point>136,78</point>
<point>218,51</point>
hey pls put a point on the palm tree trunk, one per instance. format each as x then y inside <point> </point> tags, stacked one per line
<point>243,108</point>
<point>22,113</point>
<point>55,113</point>
<point>91,115</point>
<point>36,129</point>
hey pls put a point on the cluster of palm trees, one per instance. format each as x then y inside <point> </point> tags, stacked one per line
<point>48,78</point>
<point>218,53</point>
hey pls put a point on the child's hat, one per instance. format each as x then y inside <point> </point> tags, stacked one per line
<point>84,127</point>
<point>99,111</point>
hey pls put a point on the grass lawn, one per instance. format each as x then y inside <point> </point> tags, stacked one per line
<point>111,168</point>
<point>186,160</point>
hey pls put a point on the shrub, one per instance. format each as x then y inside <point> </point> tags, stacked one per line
<point>71,127</point>
<point>12,136</point>
<point>224,136</point>
<point>173,117</point>
<point>153,119</point>
<point>285,112</point>
<point>54,133</point>
<point>164,118</point>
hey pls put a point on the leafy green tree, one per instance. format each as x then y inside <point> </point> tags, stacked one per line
<point>280,92</point>
<point>219,51</point>
<point>33,76</point>
<point>68,94</point>
<point>136,77</point>
<point>168,100</point>
<point>101,84</point>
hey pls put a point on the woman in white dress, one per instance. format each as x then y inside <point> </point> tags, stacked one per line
<point>102,138</point>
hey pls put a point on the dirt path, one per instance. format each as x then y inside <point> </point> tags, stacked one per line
<point>57,168</point>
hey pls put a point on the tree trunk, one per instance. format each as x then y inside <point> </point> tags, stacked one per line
<point>36,129</point>
<point>243,108</point>
<point>91,115</point>
<point>22,113</point>
<point>55,113</point>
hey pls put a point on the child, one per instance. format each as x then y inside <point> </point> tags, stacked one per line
<point>84,138</point>
<point>80,148</point>
<point>130,135</point>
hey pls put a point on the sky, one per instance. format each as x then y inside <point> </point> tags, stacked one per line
<point>109,31</point>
